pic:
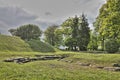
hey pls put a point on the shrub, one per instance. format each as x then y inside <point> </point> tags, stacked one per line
<point>92,46</point>
<point>111,46</point>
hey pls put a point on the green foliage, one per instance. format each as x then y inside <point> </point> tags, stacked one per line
<point>39,46</point>
<point>108,21</point>
<point>77,28</point>
<point>107,24</point>
<point>93,44</point>
<point>8,43</point>
<point>27,32</point>
<point>58,37</point>
<point>84,33</point>
<point>53,35</point>
<point>111,46</point>
<point>70,42</point>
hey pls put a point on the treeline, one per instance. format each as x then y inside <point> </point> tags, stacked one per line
<point>74,33</point>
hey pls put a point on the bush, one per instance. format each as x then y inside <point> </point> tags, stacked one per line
<point>111,46</point>
<point>92,46</point>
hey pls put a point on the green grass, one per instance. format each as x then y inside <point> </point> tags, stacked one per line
<point>11,43</point>
<point>8,43</point>
<point>58,70</point>
<point>40,46</point>
<point>97,59</point>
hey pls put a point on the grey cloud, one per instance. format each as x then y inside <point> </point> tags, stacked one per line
<point>14,16</point>
<point>3,28</point>
<point>60,8</point>
<point>48,11</point>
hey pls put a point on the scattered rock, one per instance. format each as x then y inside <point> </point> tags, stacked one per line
<point>112,68</point>
<point>116,65</point>
<point>100,67</point>
<point>117,69</point>
<point>84,64</point>
<point>64,60</point>
<point>39,57</point>
<point>9,60</point>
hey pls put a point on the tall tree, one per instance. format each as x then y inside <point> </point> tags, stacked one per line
<point>84,33</point>
<point>77,32</point>
<point>27,32</point>
<point>108,22</point>
<point>70,31</point>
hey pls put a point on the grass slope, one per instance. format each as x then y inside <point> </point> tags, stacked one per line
<point>9,43</point>
<point>58,70</point>
<point>40,46</point>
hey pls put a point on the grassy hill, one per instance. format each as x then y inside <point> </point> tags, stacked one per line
<point>9,43</point>
<point>40,46</point>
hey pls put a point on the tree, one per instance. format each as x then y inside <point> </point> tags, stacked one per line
<point>70,31</point>
<point>93,44</point>
<point>70,42</point>
<point>84,33</point>
<point>53,35</point>
<point>108,22</point>
<point>58,37</point>
<point>27,32</point>
<point>13,32</point>
<point>77,29</point>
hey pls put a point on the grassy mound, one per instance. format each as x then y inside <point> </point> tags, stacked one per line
<point>40,46</point>
<point>9,43</point>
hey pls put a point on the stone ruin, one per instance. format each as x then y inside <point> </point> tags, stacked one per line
<point>36,58</point>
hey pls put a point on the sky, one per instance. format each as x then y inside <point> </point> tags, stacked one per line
<point>14,13</point>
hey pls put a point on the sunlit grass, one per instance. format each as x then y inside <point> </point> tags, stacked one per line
<point>58,70</point>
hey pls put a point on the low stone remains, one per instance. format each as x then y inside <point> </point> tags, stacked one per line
<point>112,68</point>
<point>116,65</point>
<point>84,64</point>
<point>38,57</point>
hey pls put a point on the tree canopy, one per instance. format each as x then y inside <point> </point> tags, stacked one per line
<point>107,24</point>
<point>108,21</point>
<point>27,32</point>
<point>53,35</point>
<point>76,32</point>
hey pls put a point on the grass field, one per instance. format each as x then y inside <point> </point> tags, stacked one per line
<point>59,70</point>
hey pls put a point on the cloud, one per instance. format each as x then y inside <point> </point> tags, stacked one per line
<point>12,17</point>
<point>48,12</point>
<point>3,28</point>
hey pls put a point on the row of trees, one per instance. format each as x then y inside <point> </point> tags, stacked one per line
<point>75,34</point>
